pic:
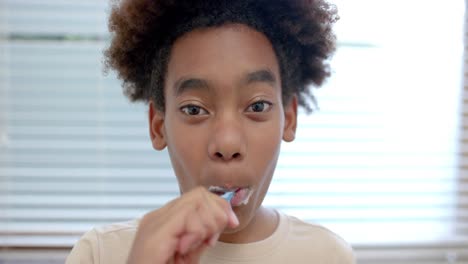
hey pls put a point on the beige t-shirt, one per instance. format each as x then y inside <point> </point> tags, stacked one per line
<point>294,241</point>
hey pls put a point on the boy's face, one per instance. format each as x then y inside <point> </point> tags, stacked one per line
<point>224,118</point>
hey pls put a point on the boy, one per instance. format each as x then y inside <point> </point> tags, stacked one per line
<point>223,80</point>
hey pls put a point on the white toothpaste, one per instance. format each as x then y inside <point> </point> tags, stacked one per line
<point>246,200</point>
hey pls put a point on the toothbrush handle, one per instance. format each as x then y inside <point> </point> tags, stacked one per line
<point>228,196</point>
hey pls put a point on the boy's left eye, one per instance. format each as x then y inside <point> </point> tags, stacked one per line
<point>260,106</point>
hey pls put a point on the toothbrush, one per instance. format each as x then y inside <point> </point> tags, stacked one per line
<point>228,195</point>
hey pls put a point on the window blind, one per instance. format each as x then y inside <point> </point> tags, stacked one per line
<point>381,163</point>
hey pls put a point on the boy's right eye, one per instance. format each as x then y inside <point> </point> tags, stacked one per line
<point>193,110</point>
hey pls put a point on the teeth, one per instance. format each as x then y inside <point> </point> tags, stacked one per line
<point>220,189</point>
<point>217,189</point>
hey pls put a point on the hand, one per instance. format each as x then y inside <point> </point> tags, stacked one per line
<point>181,230</point>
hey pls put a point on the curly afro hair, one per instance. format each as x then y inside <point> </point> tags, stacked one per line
<point>143,32</point>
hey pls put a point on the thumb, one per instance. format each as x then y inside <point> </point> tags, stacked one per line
<point>233,221</point>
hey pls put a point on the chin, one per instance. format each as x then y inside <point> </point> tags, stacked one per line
<point>245,214</point>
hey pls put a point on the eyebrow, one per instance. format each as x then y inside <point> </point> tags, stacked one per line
<point>263,75</point>
<point>184,85</point>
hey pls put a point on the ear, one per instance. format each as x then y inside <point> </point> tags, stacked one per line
<point>156,127</point>
<point>290,119</point>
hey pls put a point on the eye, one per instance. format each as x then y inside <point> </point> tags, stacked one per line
<point>260,106</point>
<point>193,110</point>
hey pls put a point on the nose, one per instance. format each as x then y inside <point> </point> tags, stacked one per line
<point>227,142</point>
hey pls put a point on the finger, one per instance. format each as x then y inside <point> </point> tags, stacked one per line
<point>213,217</point>
<point>233,221</point>
<point>191,256</point>
<point>188,242</point>
<point>194,256</point>
<point>195,233</point>
<point>204,226</point>
<point>225,206</point>
<point>212,241</point>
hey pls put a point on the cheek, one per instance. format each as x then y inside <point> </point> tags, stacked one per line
<point>265,147</point>
<point>184,150</point>
<point>264,154</point>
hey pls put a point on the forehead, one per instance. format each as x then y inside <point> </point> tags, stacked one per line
<point>222,54</point>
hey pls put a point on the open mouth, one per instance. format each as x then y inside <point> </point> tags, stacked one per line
<point>241,194</point>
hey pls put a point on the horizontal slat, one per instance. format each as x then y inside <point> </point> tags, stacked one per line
<point>304,187</point>
<point>383,231</point>
<point>37,256</point>
<point>49,228</point>
<point>135,145</point>
<point>112,96</point>
<point>319,214</point>
<point>397,233</point>
<point>56,17</point>
<point>463,148</point>
<point>40,215</point>
<point>376,135</point>
<point>329,121</point>
<point>334,174</point>
<point>288,160</point>
<point>414,254</point>
<point>348,199</point>
<point>65,188</point>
